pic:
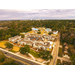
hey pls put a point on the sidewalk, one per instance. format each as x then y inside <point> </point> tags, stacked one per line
<point>28,57</point>
<point>39,60</point>
<point>22,56</point>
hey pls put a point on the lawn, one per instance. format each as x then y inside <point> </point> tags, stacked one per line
<point>35,54</point>
<point>12,51</point>
<point>2,44</point>
<point>15,48</point>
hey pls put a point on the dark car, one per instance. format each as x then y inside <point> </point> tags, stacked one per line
<point>5,52</point>
<point>16,42</point>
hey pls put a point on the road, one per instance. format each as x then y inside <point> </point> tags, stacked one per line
<point>20,58</point>
<point>19,62</point>
<point>55,52</point>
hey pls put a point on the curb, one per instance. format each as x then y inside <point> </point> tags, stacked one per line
<point>22,57</point>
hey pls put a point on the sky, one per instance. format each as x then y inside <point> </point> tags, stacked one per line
<point>28,14</point>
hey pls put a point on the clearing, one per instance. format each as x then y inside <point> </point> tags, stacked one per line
<point>2,44</point>
<point>15,48</point>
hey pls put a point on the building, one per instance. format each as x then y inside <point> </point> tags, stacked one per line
<point>41,41</point>
<point>48,30</point>
<point>23,42</point>
<point>55,32</point>
<point>14,39</point>
<point>23,33</point>
<point>34,29</point>
<point>65,51</point>
<point>43,45</point>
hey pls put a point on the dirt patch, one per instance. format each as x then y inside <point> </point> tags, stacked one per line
<point>7,49</point>
<point>40,60</point>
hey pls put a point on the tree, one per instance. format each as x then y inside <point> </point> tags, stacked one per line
<point>25,49</point>
<point>2,56</point>
<point>22,35</point>
<point>50,57</point>
<point>9,61</point>
<point>45,55</point>
<point>7,36</point>
<point>3,38</point>
<point>39,32</point>
<point>50,33</point>
<point>22,50</point>
<point>72,58</point>
<point>8,45</point>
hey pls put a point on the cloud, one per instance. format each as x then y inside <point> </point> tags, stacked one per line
<point>19,14</point>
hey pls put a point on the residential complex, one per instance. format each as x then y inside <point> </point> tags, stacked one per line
<point>39,41</point>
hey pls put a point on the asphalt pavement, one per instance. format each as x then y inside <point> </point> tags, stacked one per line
<point>55,52</point>
<point>19,58</point>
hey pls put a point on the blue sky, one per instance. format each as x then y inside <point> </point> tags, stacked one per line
<point>24,14</point>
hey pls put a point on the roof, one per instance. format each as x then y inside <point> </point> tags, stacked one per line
<point>22,40</point>
<point>35,38</point>
<point>38,44</point>
<point>48,29</point>
<point>23,33</point>
<point>14,37</point>
<point>43,44</point>
<point>34,29</point>
<point>27,42</point>
<point>48,45</point>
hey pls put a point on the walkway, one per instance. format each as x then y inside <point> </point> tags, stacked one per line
<point>64,59</point>
<point>20,58</point>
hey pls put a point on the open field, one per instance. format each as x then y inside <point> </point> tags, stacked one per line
<point>15,48</point>
<point>35,54</point>
<point>2,44</point>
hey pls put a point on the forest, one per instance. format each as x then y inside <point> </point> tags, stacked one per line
<point>15,27</point>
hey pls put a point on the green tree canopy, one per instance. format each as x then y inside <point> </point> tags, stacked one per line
<point>50,33</point>
<point>10,61</point>
<point>7,36</point>
<point>22,35</point>
<point>72,58</point>
<point>39,32</point>
<point>45,54</point>
<point>2,56</point>
<point>8,45</point>
<point>25,49</point>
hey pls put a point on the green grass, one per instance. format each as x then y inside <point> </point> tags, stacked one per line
<point>35,54</point>
<point>12,51</point>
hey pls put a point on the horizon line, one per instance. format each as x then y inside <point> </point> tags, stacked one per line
<point>37,19</point>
